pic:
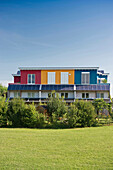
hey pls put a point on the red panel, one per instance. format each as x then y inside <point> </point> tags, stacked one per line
<point>24,75</point>
<point>16,79</point>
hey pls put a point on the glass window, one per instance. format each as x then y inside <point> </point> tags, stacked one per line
<point>87,95</point>
<point>31,78</point>
<point>97,95</point>
<point>33,95</point>
<point>66,95</point>
<point>16,94</point>
<point>62,95</point>
<point>102,95</point>
<point>83,95</point>
<point>29,95</point>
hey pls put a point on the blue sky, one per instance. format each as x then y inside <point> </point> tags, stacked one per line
<point>55,33</point>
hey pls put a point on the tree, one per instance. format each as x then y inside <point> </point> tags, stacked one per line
<point>3,111</point>
<point>56,106</point>
<point>85,113</point>
<point>16,109</point>
<point>3,90</point>
<point>72,116</point>
<point>99,105</point>
<point>104,81</point>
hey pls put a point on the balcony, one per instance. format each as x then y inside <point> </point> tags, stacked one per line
<point>93,87</point>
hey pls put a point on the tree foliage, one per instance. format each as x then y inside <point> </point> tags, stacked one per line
<point>99,105</point>
<point>56,106</point>
<point>3,90</point>
<point>3,111</point>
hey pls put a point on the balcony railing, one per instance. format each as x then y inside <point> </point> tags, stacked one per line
<point>93,87</point>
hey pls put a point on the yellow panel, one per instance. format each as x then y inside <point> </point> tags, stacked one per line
<point>44,77</point>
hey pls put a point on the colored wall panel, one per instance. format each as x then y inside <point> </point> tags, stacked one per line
<point>93,76</point>
<point>24,76</point>
<point>16,79</point>
<point>44,76</point>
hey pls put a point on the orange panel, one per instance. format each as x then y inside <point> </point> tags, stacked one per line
<point>44,74</point>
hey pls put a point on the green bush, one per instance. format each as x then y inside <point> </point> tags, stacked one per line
<point>72,116</point>
<point>3,111</point>
<point>85,113</point>
<point>56,106</point>
<point>23,115</point>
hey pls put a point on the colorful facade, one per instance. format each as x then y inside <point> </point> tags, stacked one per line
<point>37,83</point>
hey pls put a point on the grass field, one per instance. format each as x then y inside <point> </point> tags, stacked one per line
<point>86,148</point>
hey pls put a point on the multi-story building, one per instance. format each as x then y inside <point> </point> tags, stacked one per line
<point>37,83</point>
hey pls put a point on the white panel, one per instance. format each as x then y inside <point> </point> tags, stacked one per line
<point>44,94</point>
<point>78,95</point>
<point>70,94</point>
<point>92,95</point>
<point>85,77</point>
<point>11,94</point>
<point>36,94</point>
<point>51,77</point>
<point>106,94</point>
<point>24,94</point>
<point>64,77</point>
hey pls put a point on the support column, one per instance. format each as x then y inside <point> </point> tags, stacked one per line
<point>40,93</point>
<point>74,92</point>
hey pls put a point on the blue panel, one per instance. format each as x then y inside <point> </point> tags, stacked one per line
<point>58,87</point>
<point>23,87</point>
<point>44,87</point>
<point>95,87</point>
<point>93,76</point>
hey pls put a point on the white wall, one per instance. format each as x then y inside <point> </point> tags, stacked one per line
<point>92,95</point>
<point>44,94</point>
<point>25,94</point>
<point>11,94</point>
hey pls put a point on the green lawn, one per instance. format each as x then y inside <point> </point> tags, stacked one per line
<point>86,148</point>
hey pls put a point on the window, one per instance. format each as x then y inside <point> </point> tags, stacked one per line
<point>62,95</point>
<point>100,95</point>
<point>16,94</point>
<point>85,95</point>
<point>31,95</point>
<point>85,77</point>
<point>51,77</point>
<point>64,77</point>
<point>31,78</point>
<point>66,95</point>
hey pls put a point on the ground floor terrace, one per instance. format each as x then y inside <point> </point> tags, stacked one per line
<point>41,93</point>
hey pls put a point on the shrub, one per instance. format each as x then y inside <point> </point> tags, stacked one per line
<point>3,111</point>
<point>56,106</point>
<point>72,116</point>
<point>85,113</point>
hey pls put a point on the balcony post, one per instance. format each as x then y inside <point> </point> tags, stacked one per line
<point>74,92</point>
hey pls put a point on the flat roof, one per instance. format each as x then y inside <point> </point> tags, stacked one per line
<point>58,68</point>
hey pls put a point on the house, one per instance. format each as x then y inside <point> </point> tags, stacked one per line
<point>37,83</point>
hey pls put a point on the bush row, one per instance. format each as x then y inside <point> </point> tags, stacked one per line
<point>56,115</point>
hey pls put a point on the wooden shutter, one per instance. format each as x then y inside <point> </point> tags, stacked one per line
<point>51,77</point>
<point>64,77</point>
